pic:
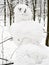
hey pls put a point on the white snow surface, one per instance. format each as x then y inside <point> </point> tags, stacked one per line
<point>31,54</point>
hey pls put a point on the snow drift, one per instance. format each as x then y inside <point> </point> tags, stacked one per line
<point>31,54</point>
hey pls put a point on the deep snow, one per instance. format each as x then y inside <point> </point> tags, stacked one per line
<point>31,54</point>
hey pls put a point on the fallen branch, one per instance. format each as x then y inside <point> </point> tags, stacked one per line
<point>8,63</point>
<point>3,59</point>
<point>6,40</point>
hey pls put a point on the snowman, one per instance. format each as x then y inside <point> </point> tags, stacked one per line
<point>24,27</point>
<point>27,35</point>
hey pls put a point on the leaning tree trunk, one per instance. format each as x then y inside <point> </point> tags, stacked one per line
<point>47,39</point>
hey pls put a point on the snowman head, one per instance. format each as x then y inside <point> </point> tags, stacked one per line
<point>22,13</point>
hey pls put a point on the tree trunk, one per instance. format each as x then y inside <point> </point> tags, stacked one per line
<point>34,8</point>
<point>40,10</point>
<point>44,11</point>
<point>11,10</point>
<point>4,12</point>
<point>47,39</point>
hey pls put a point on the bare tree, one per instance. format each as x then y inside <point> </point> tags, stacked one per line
<point>34,8</point>
<point>10,5</point>
<point>44,11</point>
<point>5,12</point>
<point>40,2</point>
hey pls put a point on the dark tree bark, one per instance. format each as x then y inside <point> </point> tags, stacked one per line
<point>27,2</point>
<point>47,39</point>
<point>40,2</point>
<point>4,12</point>
<point>34,8</point>
<point>44,11</point>
<point>11,11</point>
<point>10,5</point>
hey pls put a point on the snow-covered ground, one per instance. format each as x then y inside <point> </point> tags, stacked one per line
<point>31,54</point>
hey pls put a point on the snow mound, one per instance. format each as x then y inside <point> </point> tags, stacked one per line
<point>22,12</point>
<point>29,31</point>
<point>30,54</point>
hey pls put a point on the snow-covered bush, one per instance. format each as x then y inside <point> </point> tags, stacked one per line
<point>22,12</point>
